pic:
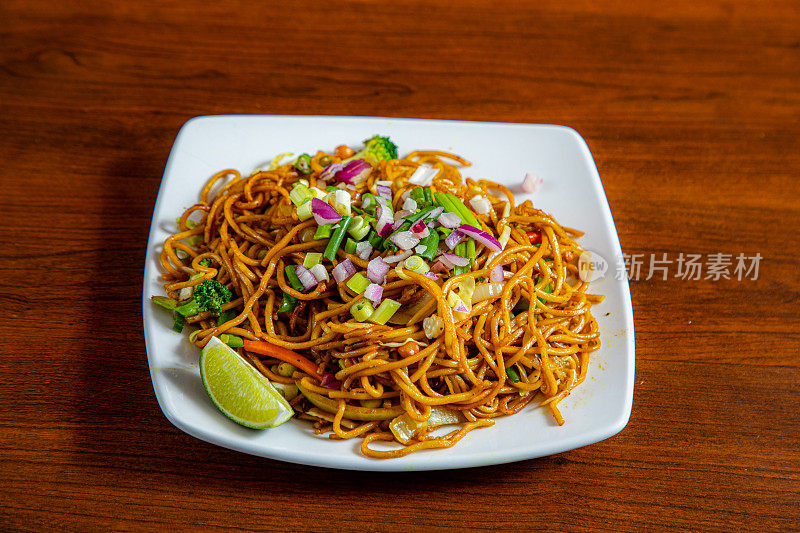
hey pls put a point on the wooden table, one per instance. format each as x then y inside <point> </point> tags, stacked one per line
<point>692,111</point>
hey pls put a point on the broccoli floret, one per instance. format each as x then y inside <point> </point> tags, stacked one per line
<point>377,149</point>
<point>211,294</point>
<point>206,261</point>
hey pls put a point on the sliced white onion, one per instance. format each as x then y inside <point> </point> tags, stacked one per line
<point>405,240</point>
<point>398,257</point>
<point>484,291</point>
<point>320,272</point>
<point>480,204</point>
<point>185,293</point>
<point>410,205</point>
<point>423,175</point>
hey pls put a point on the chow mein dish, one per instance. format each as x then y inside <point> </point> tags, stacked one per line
<point>385,297</point>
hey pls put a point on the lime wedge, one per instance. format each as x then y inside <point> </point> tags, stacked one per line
<point>240,391</point>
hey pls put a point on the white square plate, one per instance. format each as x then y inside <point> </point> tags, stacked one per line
<point>571,191</point>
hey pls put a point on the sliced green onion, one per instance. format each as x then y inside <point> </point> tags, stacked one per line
<point>336,239</point>
<point>291,277</point>
<point>358,283</point>
<point>431,244</point>
<point>512,374</point>
<point>311,259</point>
<point>178,321</point>
<point>362,311</point>
<point>385,311</point>
<point>304,211</point>
<point>341,201</point>
<point>359,228</point>
<point>190,308</point>
<point>324,232</point>
<point>547,289</point>
<point>287,304</point>
<point>460,250</point>
<point>375,240</point>
<point>416,264</point>
<point>166,303</point>
<point>234,341</point>
<point>471,252</point>
<point>226,315</point>
<point>428,194</point>
<point>350,246</point>
<point>300,194</point>
<point>417,194</point>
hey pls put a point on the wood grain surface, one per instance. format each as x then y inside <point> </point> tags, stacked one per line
<point>692,112</point>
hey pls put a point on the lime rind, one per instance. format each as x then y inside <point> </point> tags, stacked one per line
<point>240,391</point>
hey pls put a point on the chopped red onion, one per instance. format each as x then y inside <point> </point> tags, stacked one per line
<point>399,257</point>
<point>343,270</point>
<point>421,248</point>
<point>405,240</point>
<point>410,205</point>
<point>531,182</point>
<point>497,274</point>
<point>373,293</point>
<point>377,270</point>
<point>420,230</point>
<point>481,236</point>
<point>453,260</point>
<point>306,277</point>
<point>402,214</point>
<point>330,171</point>
<point>354,171</point>
<point>384,191</point>
<point>397,223</point>
<point>432,276</point>
<point>461,307</point>
<point>433,215</point>
<point>454,238</point>
<point>363,250</point>
<point>440,268</point>
<point>385,221</point>
<point>449,220</point>
<point>324,213</point>
<point>329,381</point>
